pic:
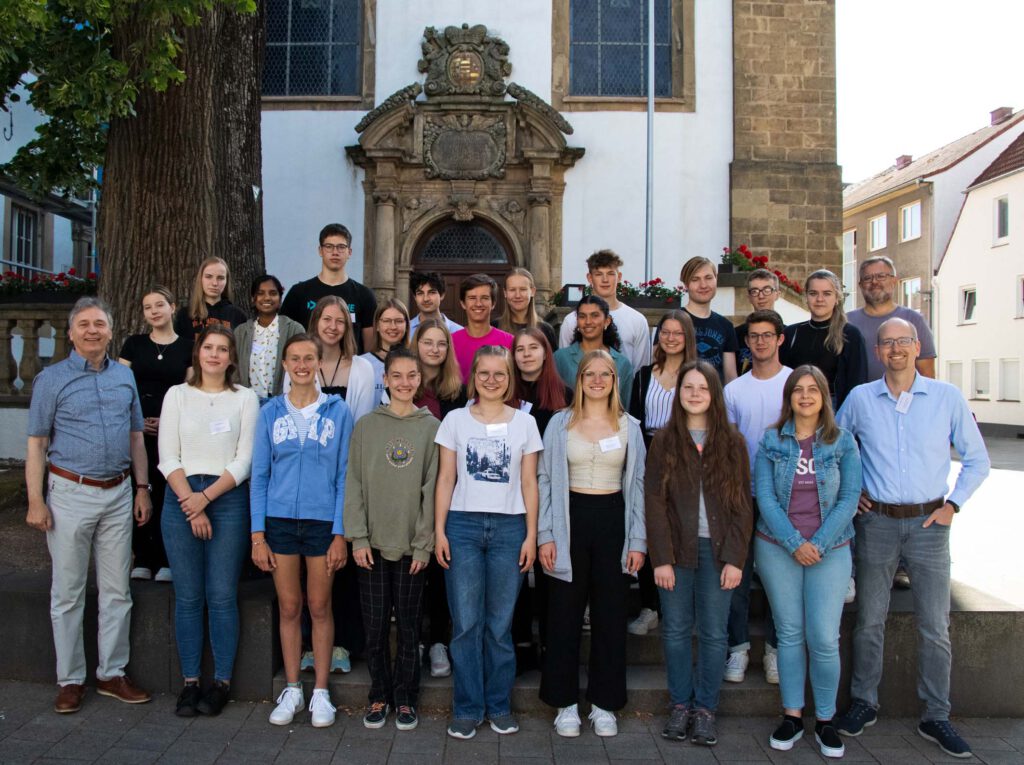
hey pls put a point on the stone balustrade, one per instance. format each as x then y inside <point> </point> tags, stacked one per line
<point>31,323</point>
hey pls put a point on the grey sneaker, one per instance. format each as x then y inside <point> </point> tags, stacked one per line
<point>704,732</point>
<point>678,724</point>
<point>504,724</point>
<point>462,728</point>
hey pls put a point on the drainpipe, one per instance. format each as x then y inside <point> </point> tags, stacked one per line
<point>649,212</point>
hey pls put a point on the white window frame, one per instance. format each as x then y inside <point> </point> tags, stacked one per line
<point>904,236</point>
<point>974,392</point>
<point>1004,395</point>
<point>962,317</point>
<point>1020,296</point>
<point>903,294</point>
<point>873,243</point>
<point>958,381</point>
<point>1000,203</point>
<point>850,270</point>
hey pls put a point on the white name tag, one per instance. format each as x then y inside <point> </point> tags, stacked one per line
<point>526,406</point>
<point>220,426</point>
<point>352,318</point>
<point>497,429</point>
<point>610,444</point>
<point>904,402</point>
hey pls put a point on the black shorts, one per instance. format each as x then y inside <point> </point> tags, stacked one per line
<point>289,536</point>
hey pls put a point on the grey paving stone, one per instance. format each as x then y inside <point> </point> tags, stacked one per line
<point>567,754</point>
<point>211,731</point>
<point>632,746</point>
<point>309,738</point>
<point>362,751</point>
<point>149,738</point>
<point>659,761</point>
<point>123,756</point>
<point>878,744</point>
<point>14,751</point>
<point>304,757</point>
<point>473,753</point>
<point>191,753</point>
<point>525,760</point>
<point>999,758</point>
<point>737,746</point>
<point>901,757</point>
<point>83,745</point>
<point>526,743</point>
<point>48,731</point>
<point>414,758</point>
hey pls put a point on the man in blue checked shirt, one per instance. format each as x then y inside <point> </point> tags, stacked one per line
<point>905,423</point>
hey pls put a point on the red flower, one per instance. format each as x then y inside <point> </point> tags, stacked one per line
<point>777,272</point>
<point>743,248</point>
<point>72,272</point>
<point>747,255</point>
<point>91,275</point>
<point>726,250</point>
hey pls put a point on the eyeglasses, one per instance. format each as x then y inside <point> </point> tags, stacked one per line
<point>592,375</point>
<point>671,334</point>
<point>762,292</point>
<point>890,342</point>
<point>441,345</point>
<point>496,376</point>
<point>756,337</point>
<point>875,278</point>
<point>335,247</point>
<point>391,322</point>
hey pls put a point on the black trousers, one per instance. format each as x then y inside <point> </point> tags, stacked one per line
<point>439,628</point>
<point>148,541</point>
<point>597,536</point>
<point>531,603</point>
<point>345,604</point>
<point>388,587</point>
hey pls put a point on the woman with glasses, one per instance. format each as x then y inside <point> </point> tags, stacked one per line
<point>390,330</point>
<point>591,532</point>
<point>485,528</point>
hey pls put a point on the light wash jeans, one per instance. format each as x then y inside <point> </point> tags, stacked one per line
<point>808,605</point>
<point>87,520</point>
<point>881,542</point>
<point>697,602</point>
<point>483,583</point>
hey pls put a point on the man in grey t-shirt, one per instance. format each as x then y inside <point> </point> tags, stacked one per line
<point>877,286</point>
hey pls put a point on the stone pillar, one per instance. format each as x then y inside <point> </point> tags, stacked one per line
<point>8,367</point>
<point>539,257</point>
<point>30,364</point>
<point>786,190</point>
<point>384,243</point>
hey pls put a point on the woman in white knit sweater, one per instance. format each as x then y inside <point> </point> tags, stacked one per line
<point>205,442</point>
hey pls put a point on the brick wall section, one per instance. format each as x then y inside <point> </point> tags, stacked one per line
<point>786,195</point>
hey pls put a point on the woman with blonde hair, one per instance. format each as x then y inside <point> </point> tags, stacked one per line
<point>442,389</point>
<point>521,308</point>
<point>210,303</point>
<point>827,340</point>
<point>591,532</point>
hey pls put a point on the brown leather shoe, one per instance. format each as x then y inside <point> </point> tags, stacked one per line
<point>122,689</point>
<point>69,699</point>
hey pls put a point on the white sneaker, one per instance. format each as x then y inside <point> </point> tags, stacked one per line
<point>140,572</point>
<point>851,591</point>
<point>321,709</point>
<point>567,722</point>
<point>163,575</point>
<point>644,623</point>
<point>771,666</point>
<point>603,721</point>
<point>289,702</point>
<point>736,667</point>
<point>439,664</point>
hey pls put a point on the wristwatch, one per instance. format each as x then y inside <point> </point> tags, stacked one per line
<point>954,505</point>
<point>147,486</point>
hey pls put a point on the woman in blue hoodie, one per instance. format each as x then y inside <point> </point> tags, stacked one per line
<point>300,454</point>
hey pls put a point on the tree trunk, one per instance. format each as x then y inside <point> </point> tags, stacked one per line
<point>179,178</point>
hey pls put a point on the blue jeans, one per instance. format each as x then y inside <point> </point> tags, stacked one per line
<point>698,600</point>
<point>808,605</point>
<point>206,573</point>
<point>483,582</point>
<point>881,542</point>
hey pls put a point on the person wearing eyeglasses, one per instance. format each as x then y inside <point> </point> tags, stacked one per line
<point>905,423</point>
<point>335,251</point>
<point>763,291</point>
<point>878,281</point>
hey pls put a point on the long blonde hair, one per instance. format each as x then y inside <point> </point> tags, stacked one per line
<point>615,410</point>
<point>348,340</point>
<point>497,351</point>
<point>834,341</point>
<point>197,303</point>
<point>448,383</point>
<point>532,319</point>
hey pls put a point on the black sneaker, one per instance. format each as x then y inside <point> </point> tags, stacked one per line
<point>187,701</point>
<point>678,724</point>
<point>945,735</point>
<point>213,701</point>
<point>827,736</point>
<point>787,734</point>
<point>703,730</point>
<point>376,715</point>
<point>406,718</point>
<point>859,716</point>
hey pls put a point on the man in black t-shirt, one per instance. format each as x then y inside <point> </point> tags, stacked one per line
<point>335,251</point>
<point>716,338</point>
<point>763,291</point>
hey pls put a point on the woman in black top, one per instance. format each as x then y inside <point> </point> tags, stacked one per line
<point>158,359</point>
<point>210,302</point>
<point>827,340</point>
<point>520,306</point>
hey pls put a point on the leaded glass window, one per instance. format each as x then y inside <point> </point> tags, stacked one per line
<point>313,48</point>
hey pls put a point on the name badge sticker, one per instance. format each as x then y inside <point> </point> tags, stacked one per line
<point>220,426</point>
<point>904,402</point>
<point>610,444</point>
<point>497,429</point>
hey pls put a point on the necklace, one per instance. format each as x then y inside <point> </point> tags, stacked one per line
<point>160,348</point>
<point>333,375</point>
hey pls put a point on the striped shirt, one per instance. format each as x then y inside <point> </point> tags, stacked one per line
<point>658,406</point>
<point>301,417</point>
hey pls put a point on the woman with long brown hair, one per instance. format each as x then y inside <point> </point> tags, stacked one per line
<point>390,330</point>
<point>699,522</point>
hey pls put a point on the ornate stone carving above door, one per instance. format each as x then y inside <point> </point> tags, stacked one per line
<point>466,152</point>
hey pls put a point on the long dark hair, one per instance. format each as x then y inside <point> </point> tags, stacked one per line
<point>826,420</point>
<point>549,390</point>
<point>724,455</point>
<point>610,338</point>
<point>230,373</point>
<point>689,338</point>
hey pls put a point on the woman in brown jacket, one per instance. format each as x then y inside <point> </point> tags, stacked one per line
<point>699,522</point>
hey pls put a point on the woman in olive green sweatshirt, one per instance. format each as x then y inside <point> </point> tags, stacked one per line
<point>389,516</point>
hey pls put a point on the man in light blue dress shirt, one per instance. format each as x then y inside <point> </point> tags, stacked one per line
<point>905,423</point>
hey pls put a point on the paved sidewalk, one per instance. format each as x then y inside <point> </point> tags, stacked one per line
<point>107,731</point>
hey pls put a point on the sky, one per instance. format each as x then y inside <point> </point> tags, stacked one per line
<point>914,75</point>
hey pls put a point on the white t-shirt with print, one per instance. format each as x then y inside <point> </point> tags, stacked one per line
<point>488,460</point>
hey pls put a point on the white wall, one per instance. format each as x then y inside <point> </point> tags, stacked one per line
<point>308,181</point>
<point>998,332</point>
<point>26,120</point>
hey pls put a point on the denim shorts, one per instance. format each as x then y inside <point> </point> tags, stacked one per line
<point>290,536</point>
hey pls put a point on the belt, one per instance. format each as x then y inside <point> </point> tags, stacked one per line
<point>907,511</point>
<point>99,483</point>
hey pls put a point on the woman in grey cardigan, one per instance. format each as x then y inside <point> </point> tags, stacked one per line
<point>591,531</point>
<point>260,341</point>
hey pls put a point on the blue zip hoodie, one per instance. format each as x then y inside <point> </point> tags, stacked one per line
<point>300,481</point>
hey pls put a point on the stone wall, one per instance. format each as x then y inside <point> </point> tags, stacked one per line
<point>786,196</point>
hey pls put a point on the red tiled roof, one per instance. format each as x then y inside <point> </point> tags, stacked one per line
<point>1011,159</point>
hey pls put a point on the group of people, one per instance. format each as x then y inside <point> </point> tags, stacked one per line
<point>382,466</point>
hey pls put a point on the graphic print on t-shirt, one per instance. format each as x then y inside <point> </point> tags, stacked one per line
<point>805,466</point>
<point>488,459</point>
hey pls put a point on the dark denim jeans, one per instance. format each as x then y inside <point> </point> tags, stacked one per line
<point>206,572</point>
<point>483,582</point>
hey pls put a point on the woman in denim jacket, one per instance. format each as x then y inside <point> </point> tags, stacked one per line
<point>807,478</point>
